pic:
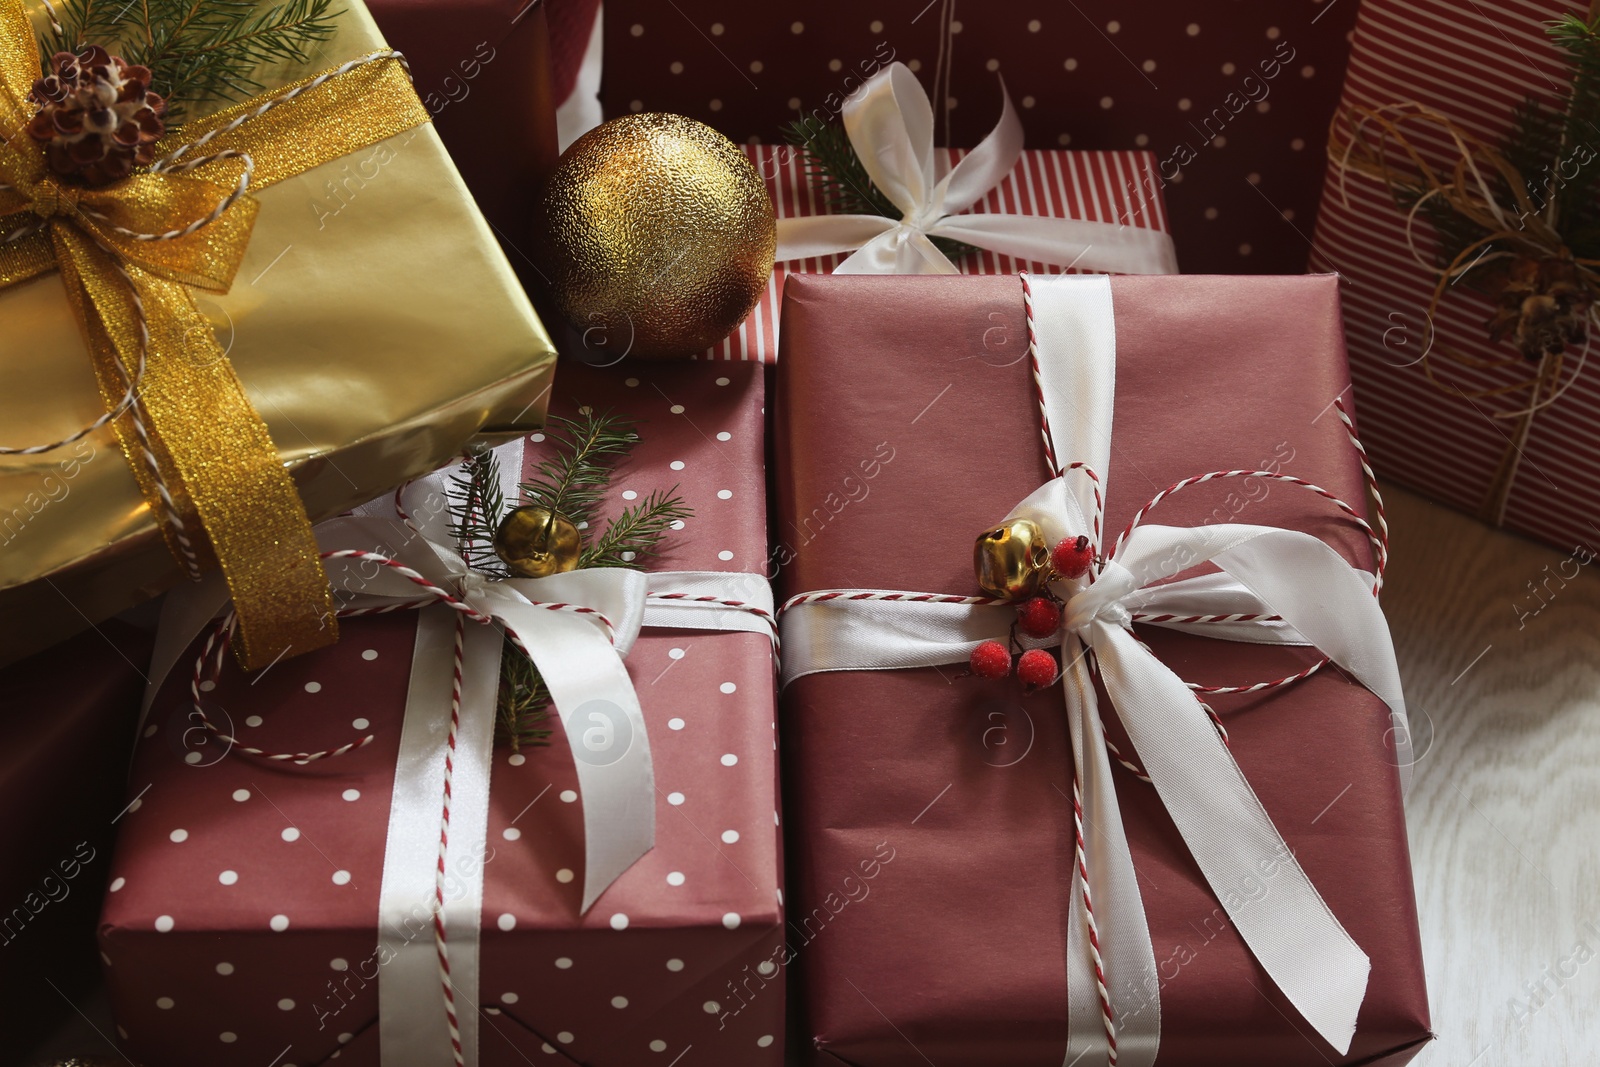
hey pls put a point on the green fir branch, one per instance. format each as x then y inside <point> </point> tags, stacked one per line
<point>523,707</point>
<point>198,51</point>
<point>477,506</point>
<point>573,482</point>
<point>1578,195</point>
<point>1554,147</point>
<point>637,533</point>
<point>839,179</point>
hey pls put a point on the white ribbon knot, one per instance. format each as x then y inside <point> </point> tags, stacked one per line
<point>1286,587</point>
<point>1102,600</point>
<point>890,123</point>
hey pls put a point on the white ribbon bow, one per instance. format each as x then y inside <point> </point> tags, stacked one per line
<point>890,123</point>
<point>1265,571</point>
<point>577,628</point>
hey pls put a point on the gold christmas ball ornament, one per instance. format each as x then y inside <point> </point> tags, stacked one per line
<point>536,542</point>
<point>656,235</point>
<point>1012,560</point>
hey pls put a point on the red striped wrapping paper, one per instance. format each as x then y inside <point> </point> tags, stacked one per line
<point>1473,64</point>
<point>1114,187</point>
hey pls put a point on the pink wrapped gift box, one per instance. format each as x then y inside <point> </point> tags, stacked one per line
<point>241,925</point>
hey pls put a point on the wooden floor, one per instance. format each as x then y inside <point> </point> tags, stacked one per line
<point>1504,810</point>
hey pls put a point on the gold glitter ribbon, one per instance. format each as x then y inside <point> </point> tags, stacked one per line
<point>216,456</point>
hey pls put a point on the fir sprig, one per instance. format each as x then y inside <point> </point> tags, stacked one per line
<point>523,706</point>
<point>477,504</point>
<point>841,182</point>
<point>573,483</point>
<point>637,533</point>
<point>198,51</point>
<point>1541,147</point>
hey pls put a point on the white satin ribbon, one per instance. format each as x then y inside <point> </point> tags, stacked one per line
<point>1264,570</point>
<point>890,123</point>
<point>582,663</point>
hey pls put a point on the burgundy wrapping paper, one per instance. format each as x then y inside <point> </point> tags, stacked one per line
<point>215,982</point>
<point>483,70</point>
<point>906,424</point>
<point>66,731</point>
<point>1183,81</point>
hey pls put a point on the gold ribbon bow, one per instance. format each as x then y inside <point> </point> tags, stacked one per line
<point>131,253</point>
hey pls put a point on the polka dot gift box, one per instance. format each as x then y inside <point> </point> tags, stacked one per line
<point>1232,100</point>
<point>242,924</point>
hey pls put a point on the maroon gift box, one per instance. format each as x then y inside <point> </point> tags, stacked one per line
<point>483,71</point>
<point>241,926</point>
<point>1234,101</point>
<point>914,388</point>
<point>66,730</point>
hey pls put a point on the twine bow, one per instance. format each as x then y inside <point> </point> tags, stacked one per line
<point>130,254</point>
<point>1475,184</point>
<point>890,123</point>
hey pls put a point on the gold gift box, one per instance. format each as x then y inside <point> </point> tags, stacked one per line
<point>377,328</point>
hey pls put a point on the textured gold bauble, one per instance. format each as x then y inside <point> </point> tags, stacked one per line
<point>656,235</point>
<point>1012,560</point>
<point>536,542</point>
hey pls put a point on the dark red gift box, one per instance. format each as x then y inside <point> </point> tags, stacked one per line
<point>483,71</point>
<point>66,729</point>
<point>1233,100</point>
<point>241,925</point>
<point>957,957</point>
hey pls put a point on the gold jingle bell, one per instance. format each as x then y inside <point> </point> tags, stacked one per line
<point>536,542</point>
<point>1012,560</point>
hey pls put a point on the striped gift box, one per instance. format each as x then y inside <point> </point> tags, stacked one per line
<point>1115,187</point>
<point>1474,65</point>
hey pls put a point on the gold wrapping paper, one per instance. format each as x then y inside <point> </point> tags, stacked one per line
<point>374,323</point>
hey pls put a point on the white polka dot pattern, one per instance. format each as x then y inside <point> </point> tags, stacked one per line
<point>287,850</point>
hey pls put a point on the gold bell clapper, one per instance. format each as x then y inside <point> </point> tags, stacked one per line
<point>1012,560</point>
<point>535,542</point>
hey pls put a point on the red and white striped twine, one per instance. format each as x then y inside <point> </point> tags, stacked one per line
<point>439,939</point>
<point>1050,460</point>
<point>222,633</point>
<point>922,598</point>
<point>215,649</point>
<point>1107,1014</point>
<point>737,605</point>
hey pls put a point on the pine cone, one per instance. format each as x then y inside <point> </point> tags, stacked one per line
<point>1543,306</point>
<point>97,116</point>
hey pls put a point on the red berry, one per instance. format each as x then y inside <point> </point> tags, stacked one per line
<point>1072,557</point>
<point>991,660</point>
<point>1037,668</point>
<point>1039,616</point>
